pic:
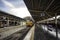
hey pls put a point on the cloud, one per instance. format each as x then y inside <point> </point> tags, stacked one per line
<point>16,3</point>
<point>7,4</point>
<point>20,11</point>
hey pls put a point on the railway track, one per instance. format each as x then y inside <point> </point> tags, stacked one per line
<point>18,35</point>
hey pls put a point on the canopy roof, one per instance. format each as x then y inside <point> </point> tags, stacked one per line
<point>43,9</point>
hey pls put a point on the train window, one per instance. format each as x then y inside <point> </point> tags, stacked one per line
<point>4,22</point>
<point>1,18</point>
<point>11,23</point>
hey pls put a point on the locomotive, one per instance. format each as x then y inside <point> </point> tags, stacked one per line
<point>29,23</point>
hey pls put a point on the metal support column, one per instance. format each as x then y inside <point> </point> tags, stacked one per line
<point>44,26</point>
<point>56,26</point>
<point>8,22</point>
<point>47,26</point>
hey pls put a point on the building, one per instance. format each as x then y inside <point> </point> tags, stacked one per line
<point>7,20</point>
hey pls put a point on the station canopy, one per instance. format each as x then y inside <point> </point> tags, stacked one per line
<point>43,9</point>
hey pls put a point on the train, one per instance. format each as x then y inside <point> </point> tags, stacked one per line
<point>29,23</point>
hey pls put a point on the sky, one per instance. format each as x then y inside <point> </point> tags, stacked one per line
<point>14,7</point>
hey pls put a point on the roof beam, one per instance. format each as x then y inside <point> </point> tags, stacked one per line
<point>35,11</point>
<point>41,11</point>
<point>49,19</point>
<point>32,3</point>
<point>48,8</point>
<point>48,14</point>
<point>49,5</point>
<point>31,10</point>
